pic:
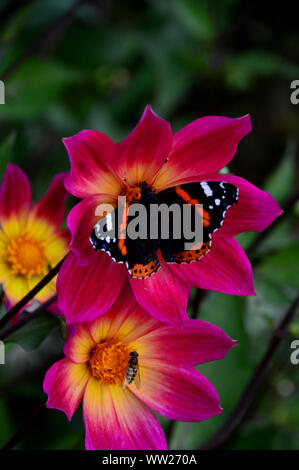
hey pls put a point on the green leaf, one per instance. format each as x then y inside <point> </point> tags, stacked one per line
<point>242,70</point>
<point>282,267</point>
<point>196,17</point>
<point>282,181</point>
<point>31,335</point>
<point>6,428</point>
<point>35,87</point>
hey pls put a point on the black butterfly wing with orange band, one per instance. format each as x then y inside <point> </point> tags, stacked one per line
<point>104,237</point>
<point>215,199</point>
<point>140,254</point>
<point>110,235</point>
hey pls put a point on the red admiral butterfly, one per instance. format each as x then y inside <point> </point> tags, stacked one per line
<point>141,254</point>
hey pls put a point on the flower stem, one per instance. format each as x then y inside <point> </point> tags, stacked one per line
<point>24,301</point>
<point>287,209</point>
<point>27,318</point>
<point>23,429</point>
<point>199,296</point>
<point>236,416</point>
<point>51,34</point>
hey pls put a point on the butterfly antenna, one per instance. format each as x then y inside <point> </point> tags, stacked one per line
<point>156,175</point>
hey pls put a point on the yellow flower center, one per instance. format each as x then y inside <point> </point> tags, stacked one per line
<point>26,256</point>
<point>109,361</point>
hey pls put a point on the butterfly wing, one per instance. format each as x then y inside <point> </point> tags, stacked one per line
<point>215,199</point>
<point>110,235</point>
<point>105,237</point>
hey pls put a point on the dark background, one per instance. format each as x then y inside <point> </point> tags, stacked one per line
<point>96,64</point>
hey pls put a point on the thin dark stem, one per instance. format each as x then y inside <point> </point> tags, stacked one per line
<point>170,430</point>
<point>24,301</point>
<point>197,300</point>
<point>11,10</point>
<point>200,295</point>
<point>43,39</point>
<point>40,408</point>
<point>23,429</point>
<point>27,318</point>
<point>260,238</point>
<point>235,418</point>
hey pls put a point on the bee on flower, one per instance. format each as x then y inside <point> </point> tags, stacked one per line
<point>102,359</point>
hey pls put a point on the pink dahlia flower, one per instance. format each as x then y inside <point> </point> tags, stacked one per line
<point>31,241</point>
<point>117,414</point>
<point>151,158</point>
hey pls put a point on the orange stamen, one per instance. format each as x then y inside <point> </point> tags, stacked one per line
<point>26,256</point>
<point>109,361</point>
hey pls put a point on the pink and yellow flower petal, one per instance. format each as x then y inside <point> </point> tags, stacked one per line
<point>51,207</point>
<point>225,268</point>
<point>65,383</point>
<point>116,420</point>
<point>201,148</point>
<point>86,292</point>
<point>196,342</point>
<point>39,229</point>
<point>3,242</point>
<point>47,215</point>
<point>15,194</point>
<point>15,288</point>
<point>125,319</point>
<point>93,157</point>
<point>164,295</point>
<point>79,344</point>
<point>56,248</point>
<point>145,150</point>
<point>5,271</point>
<point>46,292</point>
<point>81,221</point>
<point>14,226</point>
<point>176,391</point>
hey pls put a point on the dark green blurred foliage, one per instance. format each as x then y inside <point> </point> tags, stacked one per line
<point>97,68</point>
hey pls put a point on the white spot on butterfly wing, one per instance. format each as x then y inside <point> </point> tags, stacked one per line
<point>207,189</point>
